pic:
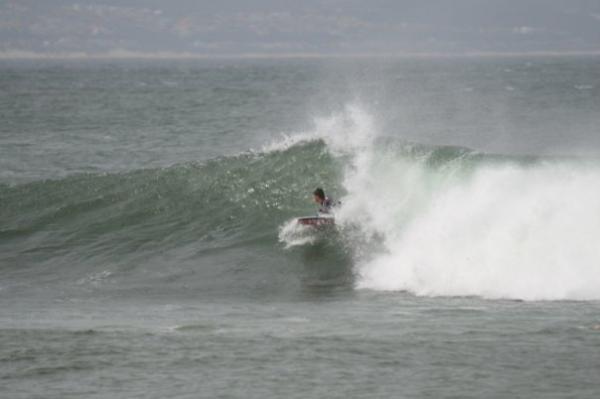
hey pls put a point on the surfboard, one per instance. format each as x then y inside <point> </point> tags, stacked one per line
<point>316,220</point>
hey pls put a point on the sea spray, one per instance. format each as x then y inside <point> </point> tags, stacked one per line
<point>348,136</point>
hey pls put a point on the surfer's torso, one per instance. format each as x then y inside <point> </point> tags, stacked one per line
<point>326,205</point>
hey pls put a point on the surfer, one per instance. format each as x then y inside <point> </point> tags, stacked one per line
<point>325,215</point>
<point>325,203</point>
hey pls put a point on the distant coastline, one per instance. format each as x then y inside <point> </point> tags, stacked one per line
<point>126,54</point>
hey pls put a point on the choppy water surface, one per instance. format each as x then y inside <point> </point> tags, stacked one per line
<point>148,245</point>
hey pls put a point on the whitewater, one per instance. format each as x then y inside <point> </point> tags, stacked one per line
<point>463,223</point>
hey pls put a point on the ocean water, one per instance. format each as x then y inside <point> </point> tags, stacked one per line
<point>148,244</point>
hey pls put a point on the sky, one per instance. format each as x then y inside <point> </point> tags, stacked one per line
<point>284,27</point>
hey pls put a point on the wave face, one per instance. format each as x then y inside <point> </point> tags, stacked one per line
<point>200,224</point>
<point>437,221</point>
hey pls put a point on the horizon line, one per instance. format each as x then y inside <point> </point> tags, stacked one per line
<point>166,55</point>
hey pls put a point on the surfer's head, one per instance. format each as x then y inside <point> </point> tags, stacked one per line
<point>319,195</point>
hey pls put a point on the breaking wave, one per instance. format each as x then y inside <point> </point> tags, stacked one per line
<point>441,221</point>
